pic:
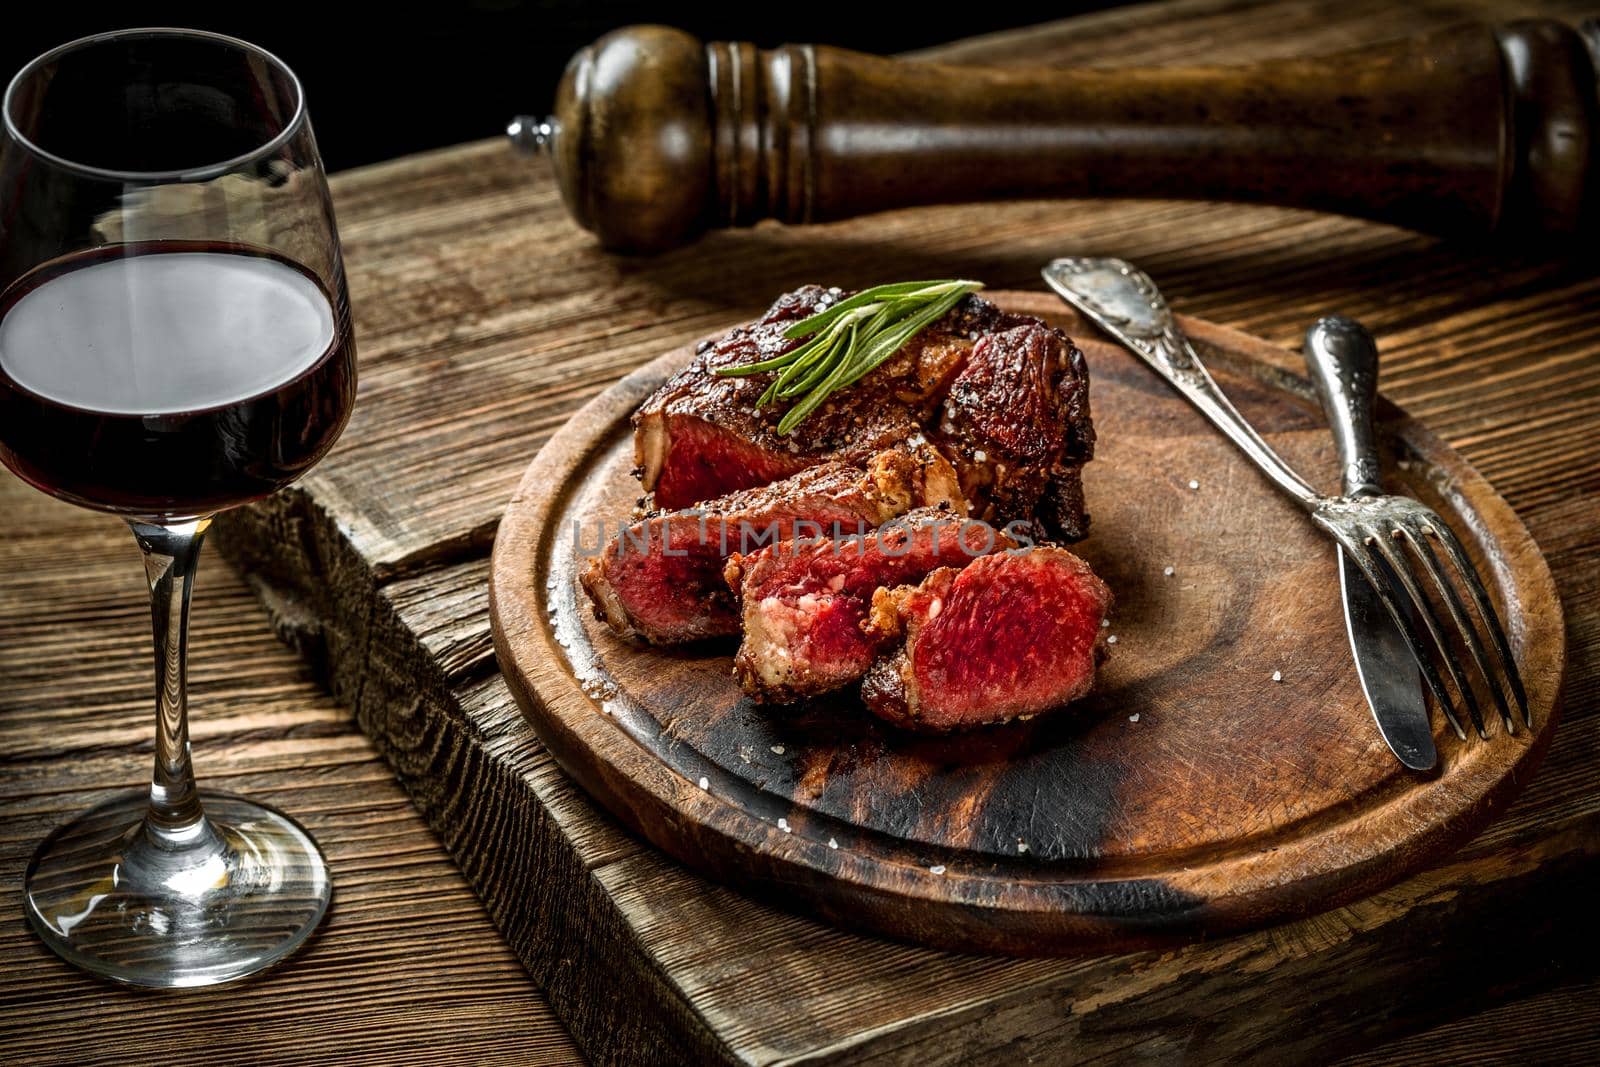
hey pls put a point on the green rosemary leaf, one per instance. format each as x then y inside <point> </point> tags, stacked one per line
<point>847,341</point>
<point>801,358</point>
<point>895,339</point>
<point>788,390</point>
<point>745,370</point>
<point>813,399</point>
<point>822,319</point>
<point>802,374</point>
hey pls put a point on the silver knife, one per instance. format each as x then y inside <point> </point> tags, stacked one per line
<point>1343,360</point>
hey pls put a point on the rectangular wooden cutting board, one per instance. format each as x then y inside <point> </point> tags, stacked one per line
<point>485,318</point>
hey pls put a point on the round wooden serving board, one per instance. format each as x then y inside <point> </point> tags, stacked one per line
<point>1188,795</point>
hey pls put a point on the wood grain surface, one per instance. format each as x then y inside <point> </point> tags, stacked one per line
<point>1189,795</point>
<point>485,320</point>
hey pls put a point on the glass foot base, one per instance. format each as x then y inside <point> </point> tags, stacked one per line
<point>240,892</point>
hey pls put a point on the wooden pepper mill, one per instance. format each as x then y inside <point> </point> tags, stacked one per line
<point>657,137</point>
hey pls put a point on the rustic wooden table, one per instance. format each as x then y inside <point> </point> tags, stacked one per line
<point>467,280</point>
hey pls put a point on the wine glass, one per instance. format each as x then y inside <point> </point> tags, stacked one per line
<point>175,340</point>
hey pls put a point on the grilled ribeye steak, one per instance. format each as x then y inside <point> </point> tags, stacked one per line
<point>802,605</point>
<point>661,578</point>
<point>1008,636</point>
<point>1004,397</point>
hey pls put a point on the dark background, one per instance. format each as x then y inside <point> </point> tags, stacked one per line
<point>386,79</point>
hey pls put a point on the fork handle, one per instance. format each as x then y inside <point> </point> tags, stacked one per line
<point>1123,301</point>
<point>1343,360</point>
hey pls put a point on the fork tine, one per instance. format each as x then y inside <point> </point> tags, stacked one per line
<point>1384,544</point>
<point>1469,577</point>
<point>1415,535</point>
<point>1367,560</point>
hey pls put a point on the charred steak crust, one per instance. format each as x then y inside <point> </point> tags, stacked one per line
<point>660,579</point>
<point>804,604</point>
<point>1016,422</point>
<point>1005,397</point>
<point>1010,636</point>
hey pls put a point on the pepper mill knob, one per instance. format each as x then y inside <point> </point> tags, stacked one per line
<point>631,138</point>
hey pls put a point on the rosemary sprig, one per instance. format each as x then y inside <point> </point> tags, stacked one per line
<point>848,341</point>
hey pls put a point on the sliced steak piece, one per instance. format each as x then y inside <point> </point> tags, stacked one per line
<point>1016,425</point>
<point>661,578</point>
<point>701,435</point>
<point>803,603</point>
<point>1009,636</point>
<point>1004,396</point>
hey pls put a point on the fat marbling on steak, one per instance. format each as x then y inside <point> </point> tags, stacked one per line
<point>661,578</point>
<point>803,606</point>
<point>1008,636</point>
<point>1004,397</point>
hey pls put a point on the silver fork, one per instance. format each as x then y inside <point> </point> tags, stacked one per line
<point>1398,543</point>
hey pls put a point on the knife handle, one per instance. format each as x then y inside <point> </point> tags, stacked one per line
<point>1343,360</point>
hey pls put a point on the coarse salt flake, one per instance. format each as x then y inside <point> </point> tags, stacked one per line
<point>777,750</point>
<point>1022,846</point>
<point>937,868</point>
<point>1277,676</point>
<point>1134,717</point>
<point>832,843</point>
<point>705,783</point>
<point>1167,571</point>
<point>783,824</point>
<point>1111,640</point>
<point>1105,624</point>
<point>1193,484</point>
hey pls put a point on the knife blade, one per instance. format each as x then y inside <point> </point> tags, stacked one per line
<point>1343,360</point>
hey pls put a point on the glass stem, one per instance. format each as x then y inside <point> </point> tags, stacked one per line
<point>171,554</point>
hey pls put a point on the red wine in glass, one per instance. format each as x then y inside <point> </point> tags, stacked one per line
<point>175,340</point>
<point>227,377</point>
